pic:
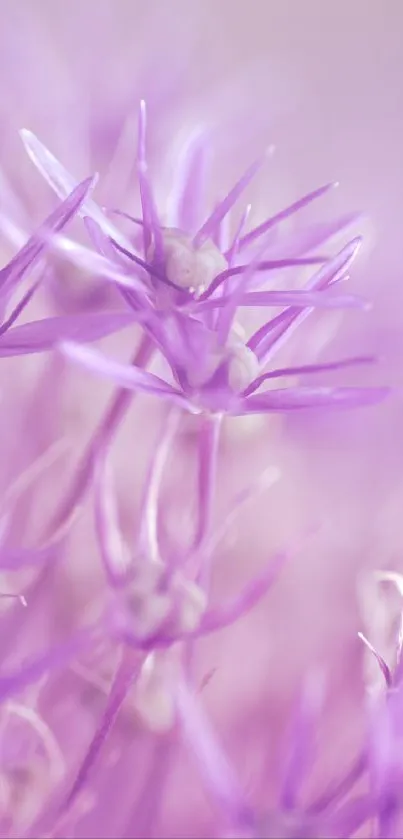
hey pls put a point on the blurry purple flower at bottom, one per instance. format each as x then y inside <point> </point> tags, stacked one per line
<point>103,692</point>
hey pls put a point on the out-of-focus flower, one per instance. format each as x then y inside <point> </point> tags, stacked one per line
<point>158,600</point>
<point>147,687</point>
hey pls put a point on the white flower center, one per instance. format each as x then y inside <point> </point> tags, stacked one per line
<point>153,695</point>
<point>153,602</point>
<point>188,267</point>
<point>243,366</point>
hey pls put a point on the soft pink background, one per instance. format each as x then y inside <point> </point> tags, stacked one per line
<point>323,81</point>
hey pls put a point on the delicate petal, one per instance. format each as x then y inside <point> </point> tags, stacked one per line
<point>307,369</point>
<point>210,225</point>
<point>316,235</point>
<point>227,314</point>
<point>121,374</point>
<point>147,266</point>
<point>233,250</point>
<point>62,183</point>
<point>95,264</point>
<point>265,265</point>
<point>39,241</point>
<point>107,249</point>
<point>294,399</point>
<point>302,746</point>
<point>284,214</point>
<point>41,335</point>
<point>151,225</point>
<point>19,308</point>
<point>253,592</point>
<point>300,299</point>
<point>125,675</point>
<point>215,769</point>
<point>381,661</point>
<point>189,183</point>
<point>270,337</point>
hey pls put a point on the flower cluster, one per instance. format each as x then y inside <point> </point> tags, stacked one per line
<point>185,284</point>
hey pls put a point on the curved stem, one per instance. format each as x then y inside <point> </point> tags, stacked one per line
<point>101,439</point>
<point>208,456</point>
<point>126,673</point>
<point>148,537</point>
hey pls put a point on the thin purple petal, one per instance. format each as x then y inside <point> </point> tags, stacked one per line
<point>63,183</point>
<point>299,398</point>
<point>283,214</point>
<point>307,369</point>
<point>210,225</point>
<point>41,335</point>
<point>121,374</point>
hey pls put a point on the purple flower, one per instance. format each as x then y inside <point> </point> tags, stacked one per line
<point>44,334</point>
<point>120,584</point>
<point>215,370</point>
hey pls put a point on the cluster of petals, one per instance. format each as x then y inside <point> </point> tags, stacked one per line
<point>185,284</point>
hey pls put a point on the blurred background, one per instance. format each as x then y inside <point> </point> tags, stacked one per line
<point>322,80</point>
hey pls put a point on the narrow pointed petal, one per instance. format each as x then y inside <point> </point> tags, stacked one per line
<point>121,374</point>
<point>111,546</point>
<point>299,299</point>
<point>99,239</point>
<point>298,398</point>
<point>125,675</point>
<point>284,214</point>
<point>210,225</point>
<point>63,183</point>
<point>114,211</point>
<point>234,248</point>
<point>141,262</point>
<point>266,265</point>
<point>307,369</point>
<point>151,225</point>
<point>316,235</point>
<point>18,309</point>
<point>385,670</point>
<point>95,264</point>
<point>107,249</point>
<point>270,337</point>
<point>227,314</point>
<point>39,241</point>
<point>189,183</point>
<point>41,335</point>
<point>253,592</point>
<point>301,740</point>
<point>214,767</point>
<point>310,299</point>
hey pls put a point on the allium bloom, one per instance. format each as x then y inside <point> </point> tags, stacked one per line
<point>125,597</point>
